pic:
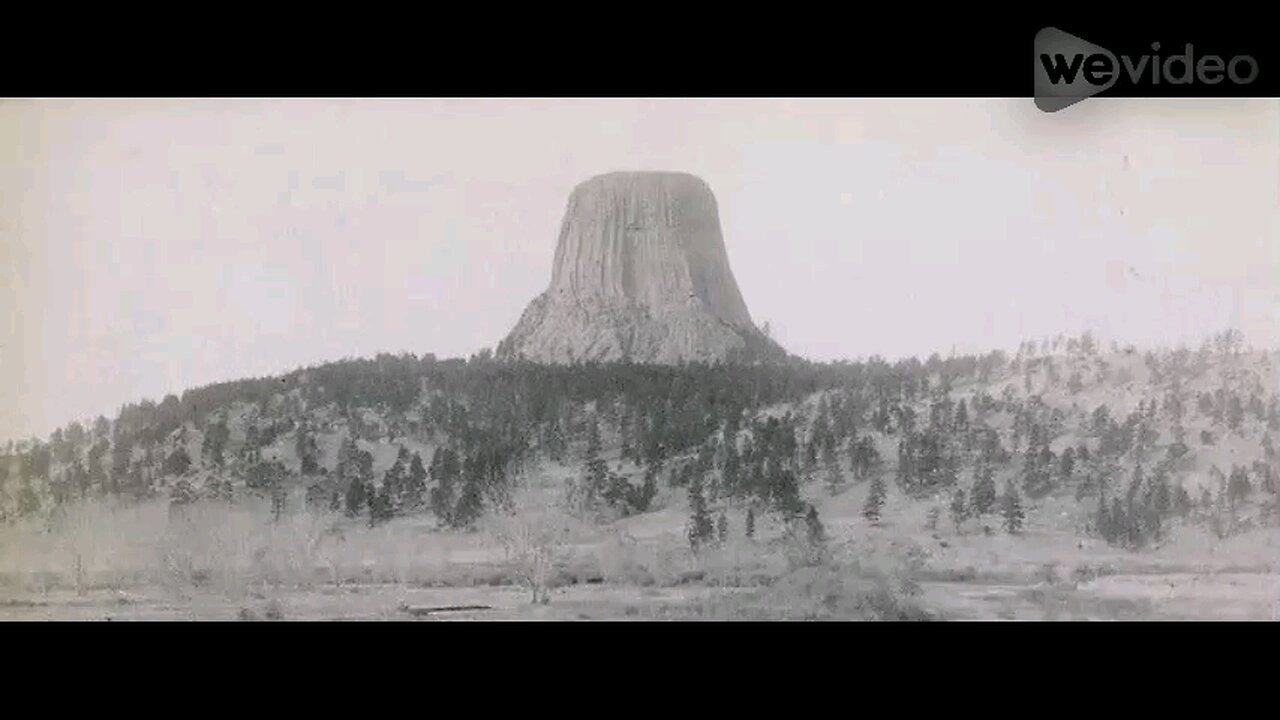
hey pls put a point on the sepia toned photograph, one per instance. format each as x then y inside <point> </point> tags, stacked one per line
<point>625,359</point>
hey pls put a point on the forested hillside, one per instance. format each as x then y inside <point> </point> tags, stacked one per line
<point>1138,439</point>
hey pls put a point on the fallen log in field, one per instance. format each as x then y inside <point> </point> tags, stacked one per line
<point>419,611</point>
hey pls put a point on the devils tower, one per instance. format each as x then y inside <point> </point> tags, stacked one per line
<point>640,274</point>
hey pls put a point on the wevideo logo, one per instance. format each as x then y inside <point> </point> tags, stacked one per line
<point>1070,69</point>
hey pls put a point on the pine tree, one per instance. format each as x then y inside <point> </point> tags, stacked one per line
<point>347,459</point>
<point>1011,509</point>
<point>445,471</point>
<point>395,482</point>
<point>813,526</point>
<point>1133,519</point>
<point>1154,519</point>
<point>1118,521</point>
<point>1102,521</point>
<point>642,500</point>
<point>751,523</point>
<point>1162,497</point>
<point>1136,482</point>
<point>722,528</point>
<point>701,526</point>
<point>984,491</point>
<point>855,460</point>
<point>278,497</point>
<point>416,487</point>
<point>624,433</point>
<point>308,451</point>
<point>1066,465</point>
<point>863,455</point>
<point>252,448</point>
<point>470,505</point>
<point>357,494</point>
<point>216,435</point>
<point>784,490</point>
<point>1181,501</point>
<point>28,500</point>
<point>732,469</point>
<point>959,509</point>
<point>381,506</point>
<point>1238,486</point>
<point>810,457</point>
<point>875,499</point>
<point>596,471</point>
<point>1235,413</point>
<point>177,463</point>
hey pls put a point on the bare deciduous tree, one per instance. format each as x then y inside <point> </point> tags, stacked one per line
<point>532,528</point>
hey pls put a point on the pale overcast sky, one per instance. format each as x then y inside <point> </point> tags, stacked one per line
<point>147,246</point>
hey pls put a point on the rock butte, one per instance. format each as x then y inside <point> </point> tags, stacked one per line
<point>641,274</point>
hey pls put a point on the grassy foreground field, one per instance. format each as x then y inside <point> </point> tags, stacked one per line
<point>219,561</point>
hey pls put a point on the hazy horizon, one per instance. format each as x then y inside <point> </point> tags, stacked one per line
<point>150,246</point>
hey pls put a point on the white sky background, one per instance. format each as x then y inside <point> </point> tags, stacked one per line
<point>148,246</point>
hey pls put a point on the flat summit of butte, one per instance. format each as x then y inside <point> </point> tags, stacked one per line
<point>640,274</point>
